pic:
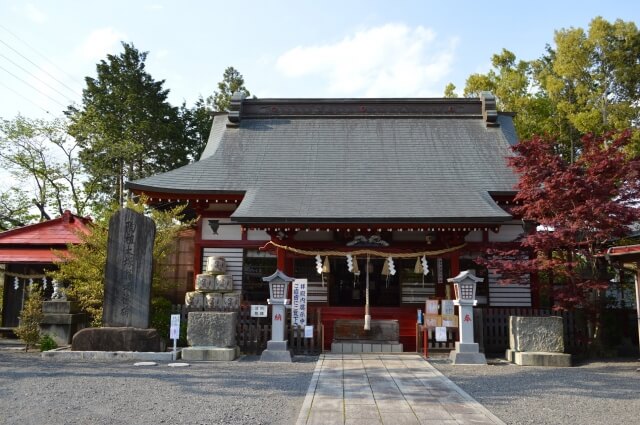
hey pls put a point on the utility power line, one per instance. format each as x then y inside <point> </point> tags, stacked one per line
<point>39,79</point>
<point>24,97</point>
<point>39,67</point>
<point>36,51</point>
<point>30,85</point>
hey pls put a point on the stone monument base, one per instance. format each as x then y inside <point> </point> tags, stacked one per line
<point>533,358</point>
<point>204,353</point>
<point>276,352</point>
<point>117,339</point>
<point>61,320</point>
<point>467,354</point>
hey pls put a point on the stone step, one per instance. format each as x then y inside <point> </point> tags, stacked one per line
<point>366,347</point>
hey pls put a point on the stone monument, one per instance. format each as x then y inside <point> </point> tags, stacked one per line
<point>127,289</point>
<point>537,341</point>
<point>211,334</point>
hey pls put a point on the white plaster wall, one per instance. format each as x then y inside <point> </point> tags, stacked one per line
<point>258,235</point>
<point>507,233</point>
<point>226,232</point>
<point>474,236</point>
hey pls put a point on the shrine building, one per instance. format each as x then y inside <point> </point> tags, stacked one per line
<point>283,183</point>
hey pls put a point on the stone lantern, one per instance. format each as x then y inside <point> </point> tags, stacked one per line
<point>278,289</point>
<point>467,351</point>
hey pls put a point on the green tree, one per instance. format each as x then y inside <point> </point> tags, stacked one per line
<point>125,126</point>
<point>232,81</point>
<point>82,267</point>
<point>450,91</point>
<point>588,82</point>
<point>592,78</point>
<point>42,159</point>
<point>29,328</point>
<point>197,125</point>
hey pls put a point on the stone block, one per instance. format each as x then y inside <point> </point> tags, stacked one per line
<point>211,328</point>
<point>205,282</point>
<point>336,347</point>
<point>538,334</point>
<point>127,286</point>
<point>60,307</point>
<point>467,358</point>
<point>116,339</point>
<point>223,283</point>
<point>396,348</point>
<point>216,265</point>
<point>542,359</point>
<point>194,300</point>
<point>231,301</point>
<point>210,353</point>
<point>214,301</point>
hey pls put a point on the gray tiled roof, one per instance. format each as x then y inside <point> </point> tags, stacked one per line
<point>414,169</point>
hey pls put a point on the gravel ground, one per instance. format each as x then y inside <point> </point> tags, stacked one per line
<point>246,391</point>
<point>595,392</point>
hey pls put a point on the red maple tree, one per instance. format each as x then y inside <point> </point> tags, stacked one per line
<point>579,208</point>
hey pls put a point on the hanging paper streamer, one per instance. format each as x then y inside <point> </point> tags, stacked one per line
<point>16,283</point>
<point>319,264</point>
<point>417,269</point>
<point>45,284</point>
<point>392,266</point>
<point>326,268</point>
<point>350,263</point>
<point>30,284</point>
<point>425,265</point>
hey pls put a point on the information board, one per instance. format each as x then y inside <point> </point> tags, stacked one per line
<point>299,302</point>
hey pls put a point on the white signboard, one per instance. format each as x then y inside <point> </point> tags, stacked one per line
<point>174,330</point>
<point>299,302</point>
<point>448,307</point>
<point>441,334</point>
<point>308,331</point>
<point>258,310</point>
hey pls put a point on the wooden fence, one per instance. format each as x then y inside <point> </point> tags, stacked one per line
<point>252,333</point>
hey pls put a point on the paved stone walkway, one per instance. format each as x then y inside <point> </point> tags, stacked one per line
<point>385,389</point>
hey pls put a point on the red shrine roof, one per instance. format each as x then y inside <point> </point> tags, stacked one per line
<point>34,243</point>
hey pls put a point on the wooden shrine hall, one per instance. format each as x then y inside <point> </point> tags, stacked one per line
<point>331,189</point>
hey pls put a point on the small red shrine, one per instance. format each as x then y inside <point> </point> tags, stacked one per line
<point>28,251</point>
<point>283,183</point>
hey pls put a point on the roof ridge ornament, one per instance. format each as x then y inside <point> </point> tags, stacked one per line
<point>489,109</point>
<point>235,108</point>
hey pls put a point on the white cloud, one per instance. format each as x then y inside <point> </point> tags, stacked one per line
<point>99,43</point>
<point>392,60</point>
<point>34,14</point>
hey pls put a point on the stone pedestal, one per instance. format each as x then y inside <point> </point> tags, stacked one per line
<point>277,347</point>
<point>466,351</point>
<point>211,336</point>
<point>537,341</point>
<point>61,320</point>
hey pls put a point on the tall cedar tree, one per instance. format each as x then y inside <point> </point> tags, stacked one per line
<point>232,81</point>
<point>126,128</point>
<point>579,207</point>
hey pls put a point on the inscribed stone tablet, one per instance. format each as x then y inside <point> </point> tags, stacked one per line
<point>127,288</point>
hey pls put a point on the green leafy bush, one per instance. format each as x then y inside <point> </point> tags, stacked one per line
<point>29,328</point>
<point>47,343</point>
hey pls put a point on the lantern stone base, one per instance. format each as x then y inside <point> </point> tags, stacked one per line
<point>467,353</point>
<point>533,358</point>
<point>276,352</point>
<point>222,354</point>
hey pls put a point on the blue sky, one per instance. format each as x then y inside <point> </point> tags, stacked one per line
<point>283,48</point>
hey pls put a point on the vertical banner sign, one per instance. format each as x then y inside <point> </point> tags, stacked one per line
<point>439,270</point>
<point>299,302</point>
